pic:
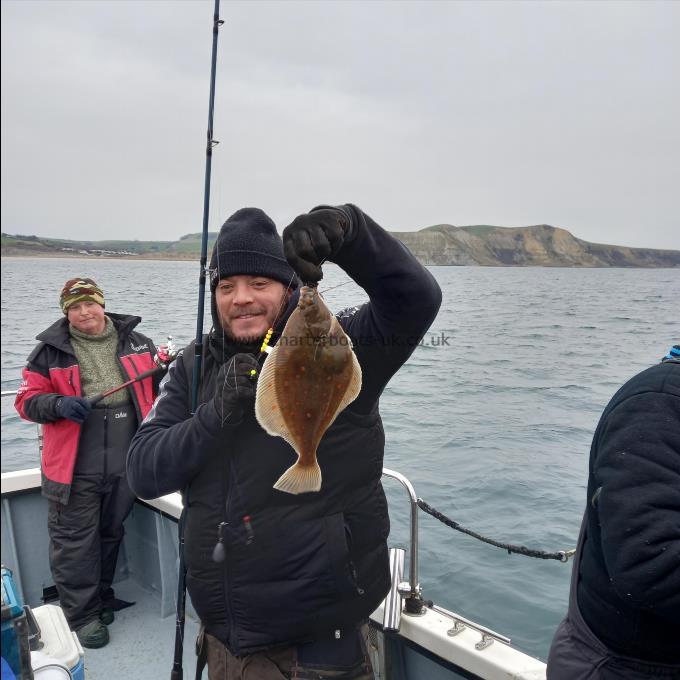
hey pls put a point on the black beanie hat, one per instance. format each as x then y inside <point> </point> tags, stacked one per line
<point>248,243</point>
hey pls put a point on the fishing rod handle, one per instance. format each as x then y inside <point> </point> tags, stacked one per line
<point>93,401</point>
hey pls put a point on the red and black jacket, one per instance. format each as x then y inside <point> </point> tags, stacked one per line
<point>52,371</point>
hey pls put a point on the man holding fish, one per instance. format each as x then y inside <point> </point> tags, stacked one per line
<point>280,464</point>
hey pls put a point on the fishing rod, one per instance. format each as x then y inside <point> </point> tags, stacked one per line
<point>165,356</point>
<point>93,401</point>
<point>177,671</point>
<point>198,347</point>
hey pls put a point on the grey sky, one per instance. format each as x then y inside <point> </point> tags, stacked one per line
<point>507,113</point>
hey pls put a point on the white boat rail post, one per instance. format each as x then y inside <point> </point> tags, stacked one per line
<point>410,591</point>
<point>392,603</point>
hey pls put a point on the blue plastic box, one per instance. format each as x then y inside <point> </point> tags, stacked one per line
<point>15,647</point>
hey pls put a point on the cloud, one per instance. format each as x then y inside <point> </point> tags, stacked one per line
<point>507,113</point>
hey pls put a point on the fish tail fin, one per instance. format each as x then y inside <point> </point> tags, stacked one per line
<point>300,479</point>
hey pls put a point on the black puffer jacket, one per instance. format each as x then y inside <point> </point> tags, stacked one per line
<point>629,576</point>
<point>300,566</point>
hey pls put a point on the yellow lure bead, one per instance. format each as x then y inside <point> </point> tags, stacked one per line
<point>266,340</point>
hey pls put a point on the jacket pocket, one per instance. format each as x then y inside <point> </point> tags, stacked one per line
<point>339,543</point>
<point>287,577</point>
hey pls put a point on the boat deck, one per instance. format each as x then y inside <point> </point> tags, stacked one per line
<point>142,643</point>
<point>142,636</point>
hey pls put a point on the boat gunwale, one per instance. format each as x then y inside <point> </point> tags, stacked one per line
<point>428,631</point>
<point>28,480</point>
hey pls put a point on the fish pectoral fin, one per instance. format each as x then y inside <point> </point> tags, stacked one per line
<point>267,407</point>
<point>300,479</point>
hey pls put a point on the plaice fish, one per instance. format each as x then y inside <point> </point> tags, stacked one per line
<point>308,378</point>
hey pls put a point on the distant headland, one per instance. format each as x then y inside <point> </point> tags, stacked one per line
<point>442,244</point>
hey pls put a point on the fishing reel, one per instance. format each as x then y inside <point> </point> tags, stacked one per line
<point>166,353</point>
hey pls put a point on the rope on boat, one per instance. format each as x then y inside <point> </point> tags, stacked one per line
<point>560,555</point>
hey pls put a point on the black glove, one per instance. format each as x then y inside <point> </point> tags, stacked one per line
<point>312,238</point>
<point>73,408</point>
<point>235,388</point>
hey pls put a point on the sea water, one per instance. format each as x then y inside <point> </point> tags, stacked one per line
<point>491,418</point>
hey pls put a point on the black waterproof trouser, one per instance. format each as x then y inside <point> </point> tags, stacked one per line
<point>576,652</point>
<point>86,533</point>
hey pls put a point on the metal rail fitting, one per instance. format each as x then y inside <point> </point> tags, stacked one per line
<point>413,601</point>
<point>460,623</point>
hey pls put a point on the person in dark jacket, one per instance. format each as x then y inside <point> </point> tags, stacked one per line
<point>623,619</point>
<point>283,583</point>
<point>84,448</point>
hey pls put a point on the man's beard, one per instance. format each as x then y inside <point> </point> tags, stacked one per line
<point>251,339</point>
<point>243,339</point>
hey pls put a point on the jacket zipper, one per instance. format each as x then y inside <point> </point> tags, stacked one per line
<point>106,441</point>
<point>80,428</point>
<point>227,482</point>
<point>130,389</point>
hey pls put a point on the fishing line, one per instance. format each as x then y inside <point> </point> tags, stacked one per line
<point>339,285</point>
<point>220,170</point>
<point>283,304</point>
<point>231,366</point>
<point>265,346</point>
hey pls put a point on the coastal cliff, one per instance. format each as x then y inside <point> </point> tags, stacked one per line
<point>541,245</point>
<point>442,244</point>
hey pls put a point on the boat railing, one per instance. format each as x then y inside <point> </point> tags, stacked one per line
<point>405,596</point>
<point>410,591</point>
